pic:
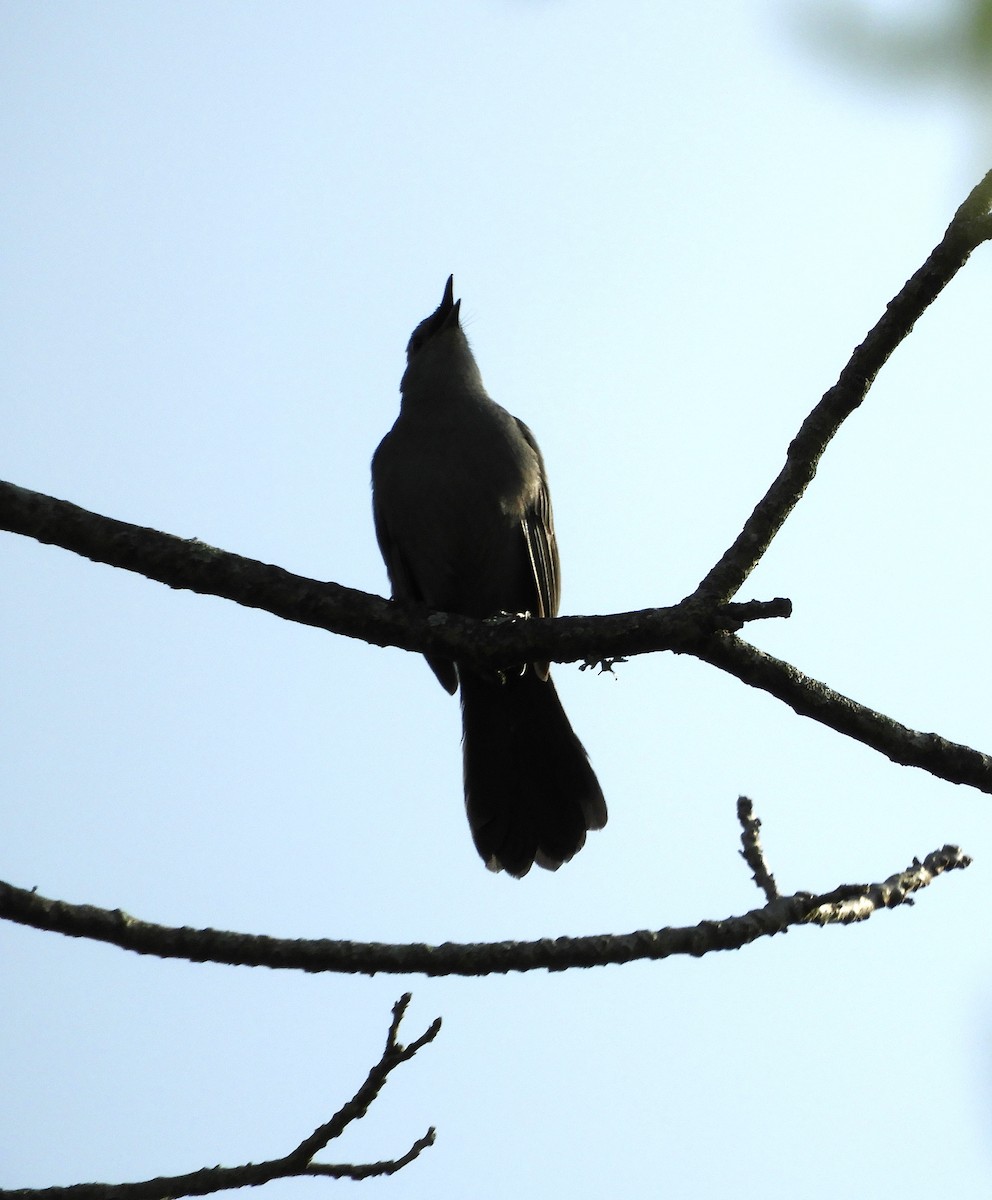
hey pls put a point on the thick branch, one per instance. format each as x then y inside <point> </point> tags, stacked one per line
<point>370,958</point>
<point>972,225</point>
<point>194,566</point>
<point>810,698</point>
<point>298,1162</point>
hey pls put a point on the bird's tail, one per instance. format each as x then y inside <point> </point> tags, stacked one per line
<point>530,792</point>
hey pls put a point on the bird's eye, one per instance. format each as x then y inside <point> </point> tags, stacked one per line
<point>415,343</point>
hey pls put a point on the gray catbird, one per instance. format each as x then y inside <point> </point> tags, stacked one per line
<point>463,518</point>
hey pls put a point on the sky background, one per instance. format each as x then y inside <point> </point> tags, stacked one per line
<point>670,225</point>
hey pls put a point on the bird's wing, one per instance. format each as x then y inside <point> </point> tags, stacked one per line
<point>539,531</point>
<point>404,587</point>
<point>400,576</point>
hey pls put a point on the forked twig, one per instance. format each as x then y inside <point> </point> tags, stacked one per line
<point>298,1162</point>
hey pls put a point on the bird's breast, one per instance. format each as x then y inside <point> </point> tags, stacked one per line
<point>456,491</point>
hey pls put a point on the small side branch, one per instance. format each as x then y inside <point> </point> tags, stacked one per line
<point>752,852</point>
<point>856,902</point>
<point>970,227</point>
<point>473,959</point>
<point>298,1162</point>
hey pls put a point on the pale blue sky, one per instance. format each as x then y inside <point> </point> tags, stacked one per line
<point>669,224</point>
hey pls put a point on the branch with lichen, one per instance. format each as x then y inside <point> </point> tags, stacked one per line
<point>315,955</point>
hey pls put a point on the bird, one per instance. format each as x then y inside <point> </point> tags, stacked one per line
<point>463,519</point>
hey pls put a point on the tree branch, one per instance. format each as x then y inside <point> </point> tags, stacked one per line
<point>194,566</point>
<point>693,627</point>
<point>298,1162</point>
<point>472,959</point>
<point>810,698</point>
<point>971,225</point>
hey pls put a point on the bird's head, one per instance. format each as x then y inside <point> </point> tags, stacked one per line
<point>439,360</point>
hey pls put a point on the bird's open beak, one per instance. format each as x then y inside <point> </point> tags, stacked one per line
<point>448,309</point>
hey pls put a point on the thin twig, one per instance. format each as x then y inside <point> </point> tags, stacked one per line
<point>471,959</point>
<point>359,1104</point>
<point>751,851</point>
<point>299,1162</point>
